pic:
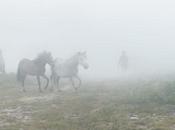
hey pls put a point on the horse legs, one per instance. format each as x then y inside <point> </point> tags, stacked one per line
<point>73,84</point>
<point>47,79</point>
<point>57,80</point>
<point>79,80</point>
<point>52,79</point>
<point>23,83</point>
<point>39,83</point>
<point>3,71</point>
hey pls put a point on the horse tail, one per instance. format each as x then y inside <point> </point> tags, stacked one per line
<point>19,73</point>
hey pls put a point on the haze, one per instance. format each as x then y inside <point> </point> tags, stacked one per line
<point>103,28</point>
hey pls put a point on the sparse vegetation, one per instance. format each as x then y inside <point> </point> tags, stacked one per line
<point>109,105</point>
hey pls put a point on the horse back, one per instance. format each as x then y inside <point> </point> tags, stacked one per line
<point>28,66</point>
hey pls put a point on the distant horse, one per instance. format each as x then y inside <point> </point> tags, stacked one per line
<point>68,68</point>
<point>2,63</point>
<point>34,67</point>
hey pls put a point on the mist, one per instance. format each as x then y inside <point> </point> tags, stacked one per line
<point>125,50</point>
<point>103,28</point>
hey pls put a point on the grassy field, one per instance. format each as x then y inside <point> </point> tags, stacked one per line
<point>103,105</point>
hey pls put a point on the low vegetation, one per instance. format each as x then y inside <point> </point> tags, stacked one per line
<point>106,105</point>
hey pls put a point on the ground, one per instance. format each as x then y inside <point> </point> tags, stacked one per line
<point>97,105</point>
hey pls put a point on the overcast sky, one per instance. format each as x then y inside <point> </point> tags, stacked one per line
<point>103,28</point>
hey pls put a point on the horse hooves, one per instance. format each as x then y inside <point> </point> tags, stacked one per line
<point>76,88</point>
<point>40,91</point>
<point>59,90</point>
<point>51,90</point>
<point>46,87</point>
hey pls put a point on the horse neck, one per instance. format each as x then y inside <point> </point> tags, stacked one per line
<point>39,62</point>
<point>73,61</point>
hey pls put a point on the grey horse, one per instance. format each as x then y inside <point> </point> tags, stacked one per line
<point>34,67</point>
<point>68,68</point>
<point>2,63</point>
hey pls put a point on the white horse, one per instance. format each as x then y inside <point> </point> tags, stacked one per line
<point>2,63</point>
<point>68,68</point>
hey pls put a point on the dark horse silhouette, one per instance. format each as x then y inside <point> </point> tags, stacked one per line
<point>2,63</point>
<point>34,67</point>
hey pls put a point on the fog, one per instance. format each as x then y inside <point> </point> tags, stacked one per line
<point>103,28</point>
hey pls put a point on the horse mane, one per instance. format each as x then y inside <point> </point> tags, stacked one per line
<point>72,58</point>
<point>40,59</point>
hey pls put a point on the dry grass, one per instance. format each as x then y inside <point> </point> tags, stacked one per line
<point>110,105</point>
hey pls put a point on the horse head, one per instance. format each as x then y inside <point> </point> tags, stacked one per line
<point>82,59</point>
<point>46,57</point>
